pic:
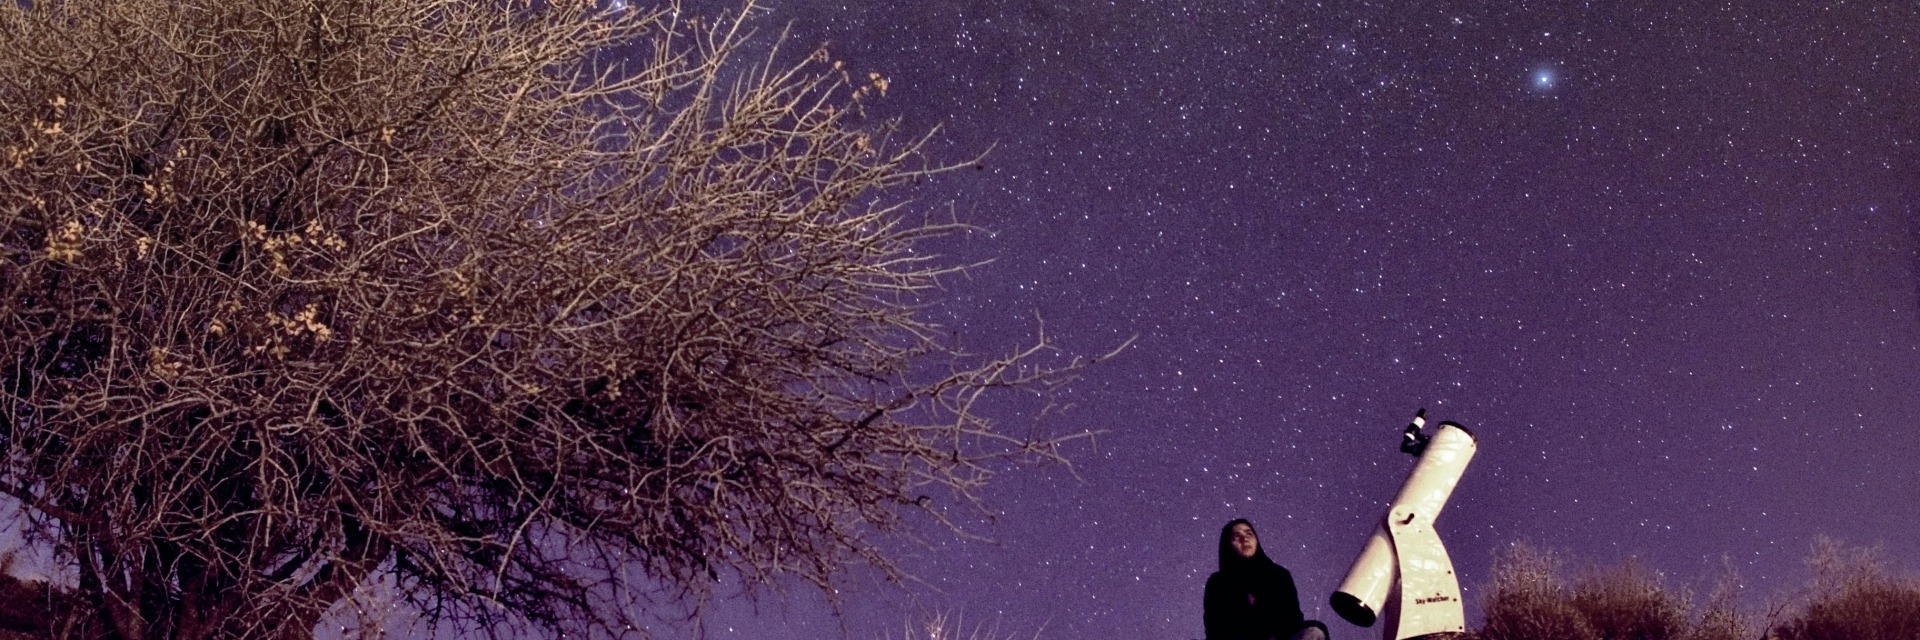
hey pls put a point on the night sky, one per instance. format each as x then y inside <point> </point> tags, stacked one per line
<point>1662,262</point>
<point>1662,258</point>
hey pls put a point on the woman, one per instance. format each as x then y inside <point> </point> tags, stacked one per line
<point>1250,597</point>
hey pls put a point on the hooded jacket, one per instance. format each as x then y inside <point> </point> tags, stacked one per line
<point>1250,598</point>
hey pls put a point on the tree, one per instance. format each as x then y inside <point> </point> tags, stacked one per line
<point>522,308</point>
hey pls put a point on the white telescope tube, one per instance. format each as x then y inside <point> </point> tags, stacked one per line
<point>1403,574</point>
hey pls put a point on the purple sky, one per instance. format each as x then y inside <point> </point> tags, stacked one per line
<point>1662,261</point>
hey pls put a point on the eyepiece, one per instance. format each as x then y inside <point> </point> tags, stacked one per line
<point>1413,442</point>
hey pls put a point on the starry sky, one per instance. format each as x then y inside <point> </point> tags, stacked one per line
<point>1660,257</point>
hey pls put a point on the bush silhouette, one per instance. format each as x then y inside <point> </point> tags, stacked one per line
<point>1530,600</point>
<point>1854,598</point>
<point>1630,603</point>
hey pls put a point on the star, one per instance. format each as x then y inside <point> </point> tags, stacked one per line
<point>1544,79</point>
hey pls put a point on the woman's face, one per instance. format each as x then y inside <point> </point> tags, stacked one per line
<point>1244,542</point>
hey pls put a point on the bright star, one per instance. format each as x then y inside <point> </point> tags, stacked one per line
<point>1543,79</point>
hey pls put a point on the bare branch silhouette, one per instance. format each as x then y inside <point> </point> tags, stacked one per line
<point>527,308</point>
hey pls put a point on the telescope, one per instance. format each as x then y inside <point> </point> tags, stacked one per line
<point>1403,577</point>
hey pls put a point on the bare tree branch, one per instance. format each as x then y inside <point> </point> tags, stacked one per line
<point>527,309</point>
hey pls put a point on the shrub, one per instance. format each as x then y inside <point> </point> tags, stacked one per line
<point>1630,603</point>
<point>1530,600</point>
<point>1854,598</point>
<point>1720,618</point>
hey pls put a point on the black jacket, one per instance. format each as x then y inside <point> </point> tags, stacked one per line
<point>1255,600</point>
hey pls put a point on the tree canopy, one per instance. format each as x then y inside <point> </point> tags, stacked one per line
<point>522,308</point>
